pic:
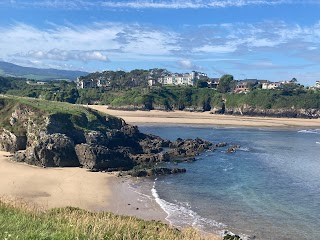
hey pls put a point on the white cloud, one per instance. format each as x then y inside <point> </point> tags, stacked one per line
<point>145,4</point>
<point>99,41</point>
<point>63,55</point>
<point>188,64</point>
<point>216,49</point>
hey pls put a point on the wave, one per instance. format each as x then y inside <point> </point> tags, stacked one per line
<point>180,214</point>
<point>317,142</point>
<point>245,149</point>
<point>313,131</point>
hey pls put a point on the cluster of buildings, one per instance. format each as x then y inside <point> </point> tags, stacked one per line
<point>92,83</point>
<point>241,86</point>
<point>181,79</point>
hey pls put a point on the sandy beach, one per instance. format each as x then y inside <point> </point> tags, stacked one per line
<point>77,187</point>
<point>205,118</point>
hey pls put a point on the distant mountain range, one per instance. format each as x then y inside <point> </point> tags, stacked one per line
<point>13,70</point>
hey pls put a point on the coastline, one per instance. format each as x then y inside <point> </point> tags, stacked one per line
<point>76,187</point>
<point>205,118</point>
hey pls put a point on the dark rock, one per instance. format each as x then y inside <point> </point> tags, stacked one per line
<point>232,148</point>
<point>118,139</point>
<point>96,138</point>
<point>54,150</point>
<point>156,171</point>
<point>131,131</point>
<point>222,144</point>
<point>188,147</point>
<point>151,158</point>
<point>153,144</point>
<point>102,158</point>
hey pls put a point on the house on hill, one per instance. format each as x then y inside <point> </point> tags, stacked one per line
<point>182,79</point>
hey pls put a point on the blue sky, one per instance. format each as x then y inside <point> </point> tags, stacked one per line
<point>274,40</point>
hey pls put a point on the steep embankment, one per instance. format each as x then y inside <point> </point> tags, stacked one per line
<point>53,134</point>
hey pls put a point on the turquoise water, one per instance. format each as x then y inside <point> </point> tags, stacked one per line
<point>269,189</point>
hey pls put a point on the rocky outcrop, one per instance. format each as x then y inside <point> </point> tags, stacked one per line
<point>146,159</point>
<point>81,137</point>
<point>9,142</point>
<point>156,171</point>
<point>153,144</point>
<point>97,157</point>
<point>248,110</point>
<point>54,150</point>
<point>188,147</point>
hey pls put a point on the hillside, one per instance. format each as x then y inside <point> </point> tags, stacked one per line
<point>13,70</point>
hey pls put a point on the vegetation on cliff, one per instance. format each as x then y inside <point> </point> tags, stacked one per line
<point>129,91</point>
<point>19,220</point>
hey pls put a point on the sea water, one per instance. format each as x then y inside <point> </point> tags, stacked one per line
<point>268,189</point>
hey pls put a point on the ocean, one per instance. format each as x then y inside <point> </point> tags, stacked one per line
<point>268,189</point>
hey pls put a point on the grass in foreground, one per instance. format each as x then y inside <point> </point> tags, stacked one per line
<point>19,220</point>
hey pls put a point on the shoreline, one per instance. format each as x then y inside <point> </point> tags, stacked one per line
<point>76,187</point>
<point>205,118</point>
<point>48,188</point>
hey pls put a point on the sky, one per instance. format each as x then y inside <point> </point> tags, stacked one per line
<point>265,39</point>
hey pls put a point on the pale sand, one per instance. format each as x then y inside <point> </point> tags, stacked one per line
<point>77,187</point>
<point>205,118</point>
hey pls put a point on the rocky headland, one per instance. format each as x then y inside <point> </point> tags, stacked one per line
<point>52,134</point>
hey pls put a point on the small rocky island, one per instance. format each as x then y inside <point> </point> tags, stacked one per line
<point>54,134</point>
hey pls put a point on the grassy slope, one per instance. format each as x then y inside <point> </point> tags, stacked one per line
<point>80,117</point>
<point>21,221</point>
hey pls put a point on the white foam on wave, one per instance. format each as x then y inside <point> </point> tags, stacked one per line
<point>181,216</point>
<point>245,149</point>
<point>314,131</point>
<point>317,142</point>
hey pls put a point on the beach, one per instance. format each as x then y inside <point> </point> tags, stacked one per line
<point>76,187</point>
<point>205,118</point>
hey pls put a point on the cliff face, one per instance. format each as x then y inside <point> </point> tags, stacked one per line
<point>83,137</point>
<point>248,110</point>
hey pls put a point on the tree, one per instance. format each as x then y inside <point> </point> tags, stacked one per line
<point>225,83</point>
<point>293,80</point>
<point>202,83</point>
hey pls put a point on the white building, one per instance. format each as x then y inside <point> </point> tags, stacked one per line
<point>182,79</point>
<point>317,84</point>
<point>272,85</point>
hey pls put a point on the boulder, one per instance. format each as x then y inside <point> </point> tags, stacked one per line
<point>97,157</point>
<point>131,131</point>
<point>188,147</point>
<point>222,144</point>
<point>53,150</point>
<point>96,138</point>
<point>151,158</point>
<point>9,142</point>
<point>153,144</point>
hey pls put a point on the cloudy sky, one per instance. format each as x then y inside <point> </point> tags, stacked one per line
<point>264,39</point>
